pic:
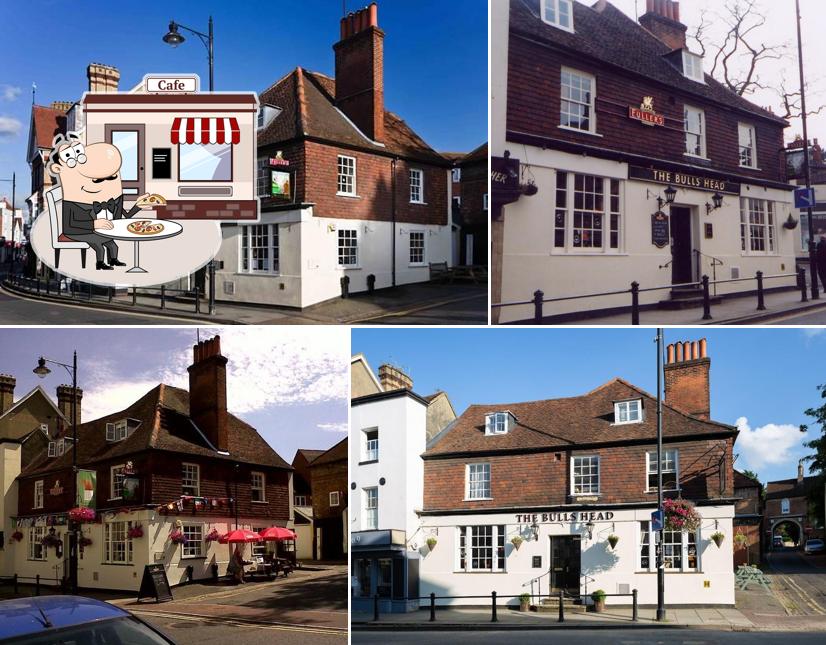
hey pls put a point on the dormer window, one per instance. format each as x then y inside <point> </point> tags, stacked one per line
<point>693,67</point>
<point>558,13</point>
<point>498,423</point>
<point>58,447</point>
<point>120,430</point>
<point>628,411</point>
<point>266,113</point>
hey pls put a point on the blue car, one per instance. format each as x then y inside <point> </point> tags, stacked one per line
<point>72,620</point>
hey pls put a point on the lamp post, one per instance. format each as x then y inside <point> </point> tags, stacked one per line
<point>42,371</point>
<point>175,38</point>
<point>13,181</point>
<point>660,554</point>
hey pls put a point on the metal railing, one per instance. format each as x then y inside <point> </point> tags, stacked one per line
<point>539,300</point>
<point>715,262</point>
<point>38,581</point>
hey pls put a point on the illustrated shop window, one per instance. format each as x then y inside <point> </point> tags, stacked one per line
<point>645,546</point>
<point>627,412</point>
<point>205,161</point>
<point>371,444</point>
<point>477,481</point>
<point>748,153</point>
<point>371,508</point>
<point>481,548</point>
<point>558,13</point>
<point>577,106</point>
<point>693,66</point>
<point>346,176</point>
<point>416,186</point>
<point>116,482</point>
<point>190,475</point>
<point>585,475</point>
<point>258,487</point>
<point>695,132</point>
<point>669,467</point>
<point>417,247</point>
<point>36,549</point>
<point>259,248</point>
<point>757,232</point>
<point>194,545</point>
<point>784,507</point>
<point>38,494</point>
<point>117,547</point>
<point>348,242</point>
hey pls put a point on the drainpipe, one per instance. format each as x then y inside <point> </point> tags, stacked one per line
<point>393,213</point>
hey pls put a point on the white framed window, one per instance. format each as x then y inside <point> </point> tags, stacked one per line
<point>747,143</point>
<point>416,186</point>
<point>346,176</point>
<point>258,487</point>
<point>679,550</point>
<point>585,475</point>
<point>52,449</point>
<point>190,479</point>
<point>259,549</point>
<point>300,500</point>
<point>693,67</point>
<point>259,248</point>
<point>497,423</point>
<point>477,481</point>
<point>417,251</point>
<point>757,226</point>
<point>695,131</point>
<point>120,430</point>
<point>485,202</point>
<point>577,104</point>
<point>371,508</point>
<point>38,494</point>
<point>117,547</point>
<point>348,247</point>
<point>590,222</point>
<point>194,545</point>
<point>628,412</point>
<point>644,560</point>
<point>371,444</point>
<point>456,175</point>
<point>263,180</point>
<point>116,482</point>
<point>481,548</point>
<point>559,13</point>
<point>36,549</point>
<point>785,507</point>
<point>60,446</point>
<point>670,469</point>
<point>335,499</point>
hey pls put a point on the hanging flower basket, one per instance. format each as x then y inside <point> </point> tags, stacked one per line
<point>213,536</point>
<point>135,532</point>
<point>680,515</point>
<point>51,540</point>
<point>177,537</point>
<point>82,514</point>
<point>718,538</point>
<point>431,543</point>
<point>85,541</point>
<point>517,542</point>
<point>741,540</point>
<point>17,536</point>
<point>790,223</point>
<point>612,540</point>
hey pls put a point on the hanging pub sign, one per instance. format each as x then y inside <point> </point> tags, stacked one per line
<point>504,180</point>
<point>86,480</point>
<point>659,230</point>
<point>645,113</point>
<point>683,179</point>
<point>281,185</point>
<point>130,487</point>
<point>57,489</point>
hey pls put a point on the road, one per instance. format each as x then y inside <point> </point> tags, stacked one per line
<point>816,317</point>
<point>15,310</point>
<point>473,311</point>
<point>587,637</point>
<point>799,586</point>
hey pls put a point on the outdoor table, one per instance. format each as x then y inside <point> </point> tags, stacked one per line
<point>119,232</point>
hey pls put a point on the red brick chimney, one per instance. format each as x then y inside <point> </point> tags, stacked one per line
<point>662,18</point>
<point>360,71</point>
<point>7,384</point>
<point>64,402</point>
<point>208,392</point>
<point>686,378</point>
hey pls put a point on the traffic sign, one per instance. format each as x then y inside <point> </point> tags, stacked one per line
<point>804,198</point>
<point>657,520</point>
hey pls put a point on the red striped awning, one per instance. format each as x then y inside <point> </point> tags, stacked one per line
<point>205,130</point>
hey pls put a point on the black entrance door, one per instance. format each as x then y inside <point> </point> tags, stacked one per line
<point>680,245</point>
<point>565,561</point>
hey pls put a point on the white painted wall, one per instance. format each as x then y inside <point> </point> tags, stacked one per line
<point>10,454</point>
<point>498,53</point>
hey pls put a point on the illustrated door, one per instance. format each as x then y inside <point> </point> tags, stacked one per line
<point>681,245</point>
<point>129,139</point>
<point>565,564</point>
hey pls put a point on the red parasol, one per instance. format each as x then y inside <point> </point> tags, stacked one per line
<point>277,533</point>
<point>240,536</point>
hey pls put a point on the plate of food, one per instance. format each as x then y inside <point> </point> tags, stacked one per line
<point>145,227</point>
<point>151,200</point>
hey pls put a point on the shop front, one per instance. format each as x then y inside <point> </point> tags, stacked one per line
<point>382,566</point>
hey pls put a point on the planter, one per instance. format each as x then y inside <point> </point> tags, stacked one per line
<point>790,223</point>
<point>681,515</point>
<point>718,538</point>
<point>599,600</point>
<point>517,542</point>
<point>135,532</point>
<point>524,602</point>
<point>612,540</point>
<point>431,543</point>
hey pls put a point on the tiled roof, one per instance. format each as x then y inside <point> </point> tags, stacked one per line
<point>790,488</point>
<point>163,413</point>
<point>579,420</point>
<point>307,103</point>
<point>476,155</point>
<point>309,455</point>
<point>614,39</point>
<point>742,481</point>
<point>47,123</point>
<point>336,453</point>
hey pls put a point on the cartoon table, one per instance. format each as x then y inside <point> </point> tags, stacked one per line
<point>120,232</point>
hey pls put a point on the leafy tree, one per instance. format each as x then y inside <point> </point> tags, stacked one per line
<point>752,475</point>
<point>817,461</point>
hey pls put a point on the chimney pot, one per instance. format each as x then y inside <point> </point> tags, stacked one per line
<point>392,378</point>
<point>670,350</point>
<point>703,347</point>
<point>64,402</point>
<point>695,350</point>
<point>374,14</point>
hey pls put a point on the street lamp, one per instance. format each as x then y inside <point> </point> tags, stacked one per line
<point>43,371</point>
<point>174,38</point>
<point>590,528</point>
<point>670,195</point>
<point>717,202</point>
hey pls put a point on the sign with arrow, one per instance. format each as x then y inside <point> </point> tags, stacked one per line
<point>804,198</point>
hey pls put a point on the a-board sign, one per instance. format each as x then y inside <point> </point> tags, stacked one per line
<point>155,584</point>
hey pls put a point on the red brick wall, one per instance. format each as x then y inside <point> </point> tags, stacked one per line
<point>687,386</point>
<point>748,553</point>
<point>534,104</point>
<point>797,506</point>
<point>51,503</point>
<point>539,479</point>
<point>474,186</point>
<point>326,478</point>
<point>360,80</point>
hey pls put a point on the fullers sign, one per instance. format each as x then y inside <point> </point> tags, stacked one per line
<point>645,113</point>
<point>573,516</point>
<point>684,179</point>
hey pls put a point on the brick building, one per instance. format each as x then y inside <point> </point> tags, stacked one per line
<point>748,519</point>
<point>645,169</point>
<point>786,512</point>
<point>795,172</point>
<point>523,497</point>
<point>328,473</point>
<point>174,460</point>
<point>347,189</point>
<point>469,191</point>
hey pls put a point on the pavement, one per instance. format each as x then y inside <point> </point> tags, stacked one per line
<point>422,303</point>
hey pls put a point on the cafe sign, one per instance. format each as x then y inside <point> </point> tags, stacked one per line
<point>171,84</point>
<point>684,179</point>
<point>645,113</point>
<point>573,516</point>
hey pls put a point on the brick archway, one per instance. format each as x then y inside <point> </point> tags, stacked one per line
<point>796,525</point>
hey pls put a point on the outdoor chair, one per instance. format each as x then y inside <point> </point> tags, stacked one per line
<point>59,241</point>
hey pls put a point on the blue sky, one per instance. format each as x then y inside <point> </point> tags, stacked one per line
<point>291,384</point>
<point>435,57</point>
<point>761,379</point>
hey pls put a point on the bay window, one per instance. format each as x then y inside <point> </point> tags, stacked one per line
<point>591,221</point>
<point>481,548</point>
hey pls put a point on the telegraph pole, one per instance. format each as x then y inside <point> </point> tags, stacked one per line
<point>659,551</point>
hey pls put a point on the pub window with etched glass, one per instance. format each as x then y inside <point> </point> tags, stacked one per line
<point>587,217</point>
<point>679,549</point>
<point>757,226</point>
<point>577,92</point>
<point>669,469</point>
<point>481,548</point>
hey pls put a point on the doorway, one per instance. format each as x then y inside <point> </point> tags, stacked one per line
<point>681,245</point>
<point>565,564</point>
<point>128,139</point>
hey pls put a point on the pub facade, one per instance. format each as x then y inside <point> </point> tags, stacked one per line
<point>643,168</point>
<point>558,495</point>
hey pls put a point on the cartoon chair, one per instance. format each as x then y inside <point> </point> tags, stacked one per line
<point>59,241</point>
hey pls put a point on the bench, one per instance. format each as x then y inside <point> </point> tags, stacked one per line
<point>747,575</point>
<point>473,273</point>
<point>441,272</point>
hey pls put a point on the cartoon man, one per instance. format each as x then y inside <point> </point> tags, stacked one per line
<point>92,193</point>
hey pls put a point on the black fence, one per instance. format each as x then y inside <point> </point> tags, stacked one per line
<point>541,312</point>
<point>38,581</point>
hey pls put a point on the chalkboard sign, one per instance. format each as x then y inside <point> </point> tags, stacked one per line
<point>659,229</point>
<point>155,584</point>
<point>537,562</point>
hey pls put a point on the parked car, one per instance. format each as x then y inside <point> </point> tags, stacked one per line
<point>777,542</point>
<point>45,620</point>
<point>814,546</point>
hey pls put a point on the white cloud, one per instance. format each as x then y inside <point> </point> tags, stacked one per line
<point>9,126</point>
<point>812,332</point>
<point>333,427</point>
<point>771,444</point>
<point>9,92</point>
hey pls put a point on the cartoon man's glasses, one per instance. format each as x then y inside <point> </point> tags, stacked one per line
<point>73,155</point>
